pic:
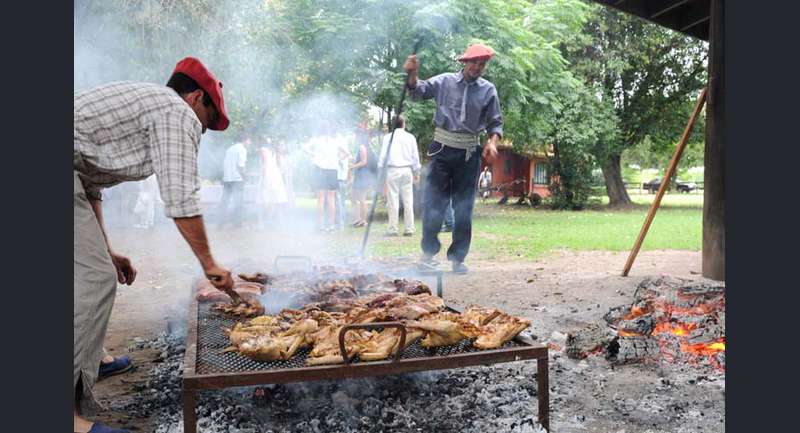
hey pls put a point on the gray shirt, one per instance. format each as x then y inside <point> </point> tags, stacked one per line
<point>482,106</point>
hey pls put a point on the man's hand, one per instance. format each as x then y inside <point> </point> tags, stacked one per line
<point>219,277</point>
<point>412,68</point>
<point>126,273</point>
<point>411,64</point>
<point>490,150</point>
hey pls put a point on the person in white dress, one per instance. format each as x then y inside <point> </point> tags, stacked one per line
<point>273,189</point>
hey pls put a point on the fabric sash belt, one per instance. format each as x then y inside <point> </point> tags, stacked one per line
<point>457,140</point>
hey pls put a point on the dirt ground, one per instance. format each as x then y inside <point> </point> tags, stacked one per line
<point>559,292</point>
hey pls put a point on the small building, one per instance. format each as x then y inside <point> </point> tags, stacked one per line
<point>528,170</point>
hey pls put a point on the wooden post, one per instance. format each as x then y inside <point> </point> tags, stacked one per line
<point>673,165</point>
<point>714,175</point>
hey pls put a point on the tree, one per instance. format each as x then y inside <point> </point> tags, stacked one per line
<point>648,73</point>
<point>583,124</point>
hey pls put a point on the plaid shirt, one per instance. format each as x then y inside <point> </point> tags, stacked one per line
<point>127,131</point>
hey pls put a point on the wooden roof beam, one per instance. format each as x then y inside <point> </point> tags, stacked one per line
<point>661,7</point>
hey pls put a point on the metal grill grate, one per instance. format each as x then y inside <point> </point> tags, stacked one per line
<point>211,340</point>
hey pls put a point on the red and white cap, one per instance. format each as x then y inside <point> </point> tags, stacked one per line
<point>195,70</point>
<point>476,52</point>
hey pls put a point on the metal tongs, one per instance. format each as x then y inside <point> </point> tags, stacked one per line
<point>236,298</point>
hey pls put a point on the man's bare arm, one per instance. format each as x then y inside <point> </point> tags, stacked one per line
<point>193,230</point>
<point>97,207</point>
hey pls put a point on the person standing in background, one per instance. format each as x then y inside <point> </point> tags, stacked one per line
<point>324,151</point>
<point>402,172</point>
<point>485,182</point>
<point>364,172</point>
<point>273,190</point>
<point>233,183</point>
<point>342,174</point>
<point>285,166</point>
<point>145,208</point>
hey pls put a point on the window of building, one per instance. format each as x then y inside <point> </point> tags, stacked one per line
<point>507,167</point>
<point>540,173</point>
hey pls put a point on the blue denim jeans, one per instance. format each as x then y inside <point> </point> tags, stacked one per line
<point>451,178</point>
<point>449,217</point>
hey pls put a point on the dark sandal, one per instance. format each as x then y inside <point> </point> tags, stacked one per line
<point>119,365</point>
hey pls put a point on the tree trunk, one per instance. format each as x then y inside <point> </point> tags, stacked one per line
<point>615,188</point>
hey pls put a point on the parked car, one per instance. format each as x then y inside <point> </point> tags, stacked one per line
<point>686,187</point>
<point>652,186</point>
<point>680,186</point>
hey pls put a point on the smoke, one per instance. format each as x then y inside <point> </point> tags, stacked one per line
<point>271,95</point>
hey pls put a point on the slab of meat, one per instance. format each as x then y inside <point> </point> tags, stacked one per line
<point>443,329</point>
<point>247,308</point>
<point>479,316</point>
<point>206,292</point>
<point>411,287</point>
<point>500,330</point>
<point>379,346</point>
<point>258,277</point>
<point>275,344</point>
<point>326,345</point>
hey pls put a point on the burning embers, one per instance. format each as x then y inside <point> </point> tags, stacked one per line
<point>670,319</point>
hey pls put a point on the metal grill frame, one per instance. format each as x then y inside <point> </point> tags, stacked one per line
<point>522,348</point>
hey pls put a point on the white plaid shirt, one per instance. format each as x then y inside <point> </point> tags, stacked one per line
<point>128,131</point>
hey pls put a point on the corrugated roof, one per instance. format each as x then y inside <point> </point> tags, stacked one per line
<point>691,17</point>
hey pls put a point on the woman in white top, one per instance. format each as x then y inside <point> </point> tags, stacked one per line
<point>273,189</point>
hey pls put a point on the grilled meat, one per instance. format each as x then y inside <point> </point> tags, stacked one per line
<point>318,324</point>
<point>275,343</point>
<point>500,330</point>
<point>246,308</point>
<point>479,316</point>
<point>411,287</point>
<point>258,277</point>
<point>326,345</point>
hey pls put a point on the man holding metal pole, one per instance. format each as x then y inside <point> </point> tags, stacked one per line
<point>466,105</point>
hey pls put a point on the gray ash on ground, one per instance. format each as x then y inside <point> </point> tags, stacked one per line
<point>640,398</point>
<point>477,399</point>
<point>496,398</point>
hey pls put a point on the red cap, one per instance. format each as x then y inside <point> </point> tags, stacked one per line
<point>195,70</point>
<point>476,52</point>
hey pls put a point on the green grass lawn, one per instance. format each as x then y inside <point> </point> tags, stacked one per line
<point>512,231</point>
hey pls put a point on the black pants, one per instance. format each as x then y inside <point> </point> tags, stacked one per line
<point>232,191</point>
<point>450,176</point>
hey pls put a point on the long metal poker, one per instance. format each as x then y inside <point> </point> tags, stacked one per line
<point>382,171</point>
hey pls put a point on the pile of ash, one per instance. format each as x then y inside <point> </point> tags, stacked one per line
<point>476,399</point>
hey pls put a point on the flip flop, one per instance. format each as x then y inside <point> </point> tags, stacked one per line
<point>102,428</point>
<point>120,365</point>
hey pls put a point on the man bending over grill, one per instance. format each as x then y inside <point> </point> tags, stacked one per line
<point>127,131</point>
<point>466,105</point>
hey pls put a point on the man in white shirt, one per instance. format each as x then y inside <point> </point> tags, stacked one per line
<point>485,182</point>
<point>402,172</point>
<point>233,182</point>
